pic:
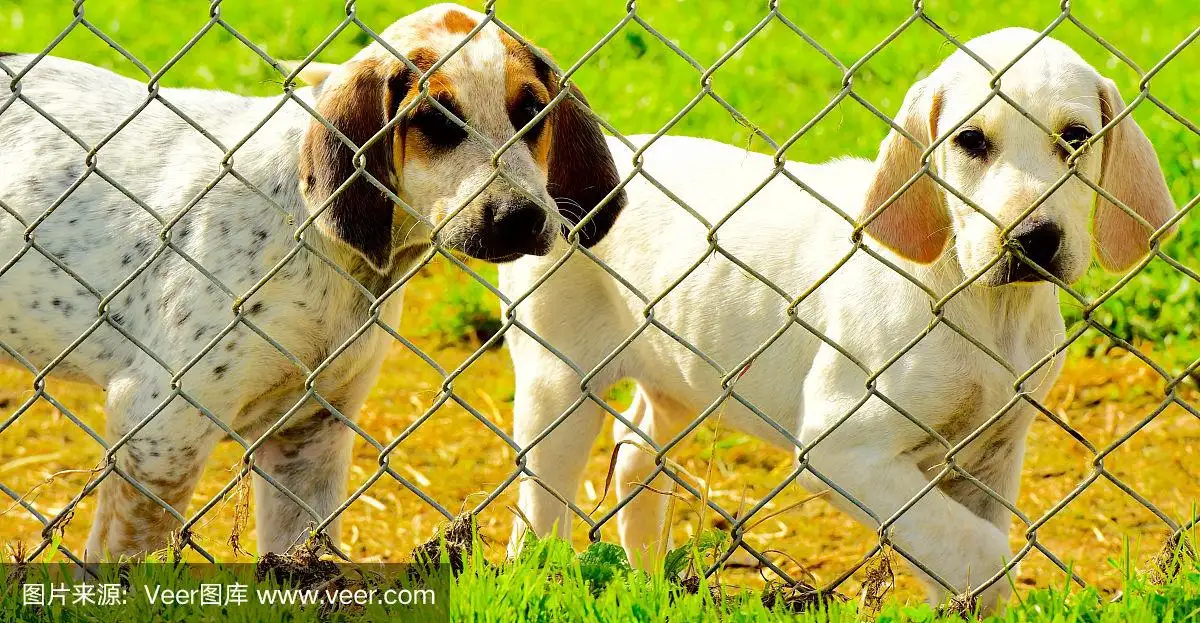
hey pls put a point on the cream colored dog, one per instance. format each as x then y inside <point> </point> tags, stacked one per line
<point>833,375</point>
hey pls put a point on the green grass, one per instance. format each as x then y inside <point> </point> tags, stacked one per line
<point>549,581</point>
<point>777,81</point>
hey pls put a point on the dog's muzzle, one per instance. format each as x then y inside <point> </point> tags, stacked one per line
<point>1040,243</point>
<point>508,231</point>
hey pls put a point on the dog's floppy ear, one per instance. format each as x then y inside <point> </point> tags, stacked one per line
<point>1130,173</point>
<point>357,101</point>
<point>581,168</point>
<point>916,225</point>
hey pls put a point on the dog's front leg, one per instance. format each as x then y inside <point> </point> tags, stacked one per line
<point>311,461</point>
<point>962,548</point>
<point>556,459</point>
<point>165,457</point>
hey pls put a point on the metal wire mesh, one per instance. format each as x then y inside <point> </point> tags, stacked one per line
<point>237,300</point>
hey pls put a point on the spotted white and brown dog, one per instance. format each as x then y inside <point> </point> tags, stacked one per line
<point>94,291</point>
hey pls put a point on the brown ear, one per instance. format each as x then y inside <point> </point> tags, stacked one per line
<point>358,105</point>
<point>581,168</point>
<point>1130,173</point>
<point>916,224</point>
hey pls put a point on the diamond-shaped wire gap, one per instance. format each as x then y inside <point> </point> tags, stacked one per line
<point>1095,527</point>
<point>36,465</point>
<point>461,457</point>
<point>847,558</point>
<point>648,39</point>
<point>1086,398</point>
<point>812,80</point>
<point>783,538</point>
<point>863,76</point>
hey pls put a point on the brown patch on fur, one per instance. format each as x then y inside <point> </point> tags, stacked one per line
<point>997,457</point>
<point>961,422</point>
<point>412,145</point>
<point>360,215</point>
<point>137,523</point>
<point>580,171</point>
<point>458,22</point>
<point>423,58</point>
<point>306,428</point>
<point>525,72</point>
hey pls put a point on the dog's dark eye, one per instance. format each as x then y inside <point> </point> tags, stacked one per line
<point>440,130</point>
<point>526,109</point>
<point>1075,136</point>
<point>973,142</point>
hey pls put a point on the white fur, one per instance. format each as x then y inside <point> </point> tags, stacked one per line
<point>802,382</point>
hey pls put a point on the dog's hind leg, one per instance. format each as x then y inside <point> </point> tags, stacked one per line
<point>658,418</point>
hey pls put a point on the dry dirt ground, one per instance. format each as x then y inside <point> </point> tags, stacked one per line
<point>456,460</point>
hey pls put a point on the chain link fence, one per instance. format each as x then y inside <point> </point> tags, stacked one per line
<point>389,460</point>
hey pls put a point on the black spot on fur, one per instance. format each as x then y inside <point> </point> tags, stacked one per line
<point>257,308</point>
<point>220,371</point>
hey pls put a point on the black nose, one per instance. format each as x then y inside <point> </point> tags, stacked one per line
<point>1039,243</point>
<point>518,223</point>
<point>507,230</point>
